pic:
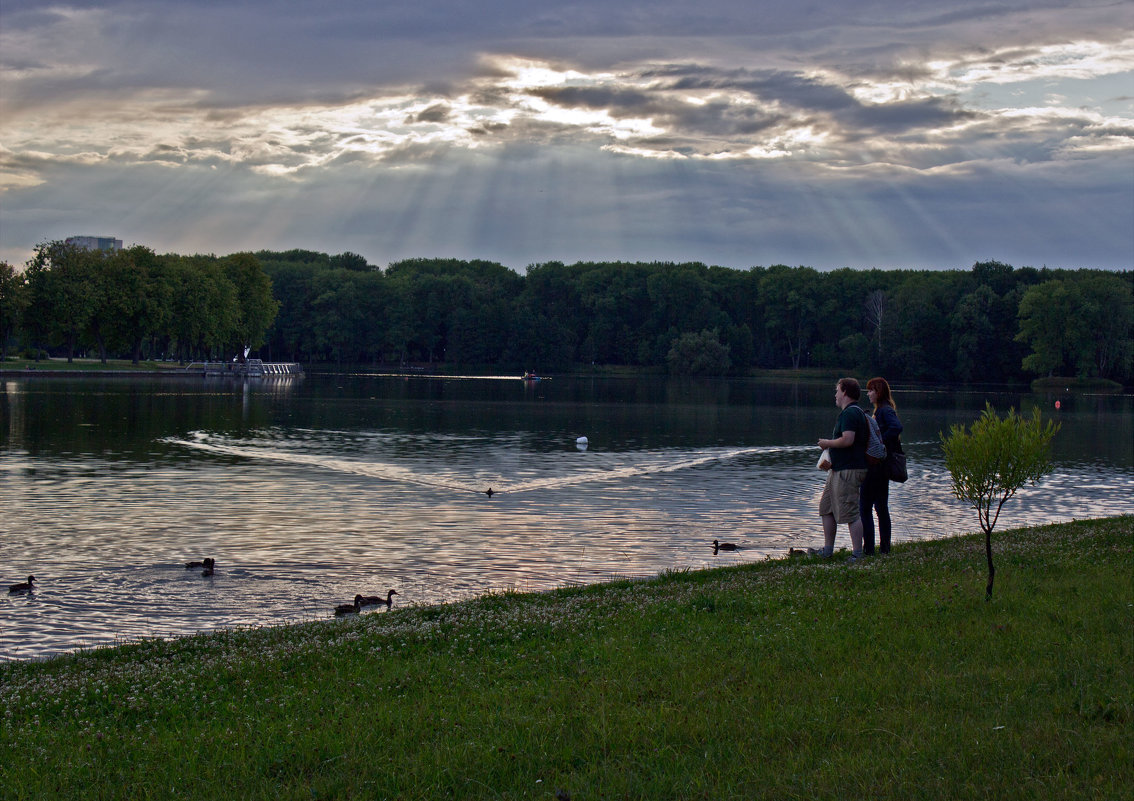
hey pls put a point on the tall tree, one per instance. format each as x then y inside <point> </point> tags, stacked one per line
<point>13,301</point>
<point>1051,324</point>
<point>875,313</point>
<point>204,313</point>
<point>63,286</point>
<point>973,336</point>
<point>255,307</point>
<point>790,298</point>
<point>338,319</point>
<point>1108,319</point>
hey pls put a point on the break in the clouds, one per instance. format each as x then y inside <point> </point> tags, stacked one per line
<point>882,134</point>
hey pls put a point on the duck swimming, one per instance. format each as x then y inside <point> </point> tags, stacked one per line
<point>377,600</point>
<point>349,609</point>
<point>489,492</point>
<point>23,586</point>
<point>207,563</point>
<point>723,546</point>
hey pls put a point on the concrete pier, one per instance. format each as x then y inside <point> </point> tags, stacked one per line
<point>252,368</point>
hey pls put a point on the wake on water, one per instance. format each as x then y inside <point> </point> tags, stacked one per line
<point>568,468</point>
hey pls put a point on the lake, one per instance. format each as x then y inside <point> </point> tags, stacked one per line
<point>307,491</point>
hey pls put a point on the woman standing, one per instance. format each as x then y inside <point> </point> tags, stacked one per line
<point>875,492</point>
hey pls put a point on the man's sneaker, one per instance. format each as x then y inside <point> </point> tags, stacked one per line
<point>852,559</point>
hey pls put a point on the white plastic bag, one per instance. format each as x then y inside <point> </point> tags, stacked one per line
<point>824,460</point>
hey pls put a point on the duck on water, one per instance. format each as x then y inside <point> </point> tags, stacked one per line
<point>377,600</point>
<point>349,609</point>
<point>23,586</point>
<point>365,600</point>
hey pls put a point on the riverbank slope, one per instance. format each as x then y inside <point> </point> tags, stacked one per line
<point>793,678</point>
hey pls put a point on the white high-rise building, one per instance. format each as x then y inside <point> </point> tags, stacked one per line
<point>95,242</point>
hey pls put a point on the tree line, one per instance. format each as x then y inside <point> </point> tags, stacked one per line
<point>991,323</point>
<point>988,324</point>
<point>135,304</point>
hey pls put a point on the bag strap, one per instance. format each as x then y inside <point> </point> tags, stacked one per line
<point>863,423</point>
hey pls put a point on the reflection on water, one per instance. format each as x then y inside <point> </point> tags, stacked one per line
<point>336,485</point>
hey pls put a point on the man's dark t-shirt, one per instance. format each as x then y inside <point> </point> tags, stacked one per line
<point>853,419</point>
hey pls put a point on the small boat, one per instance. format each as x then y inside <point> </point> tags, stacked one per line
<point>532,377</point>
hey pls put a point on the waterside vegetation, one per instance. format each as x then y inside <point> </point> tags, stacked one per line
<point>792,678</point>
<point>993,323</point>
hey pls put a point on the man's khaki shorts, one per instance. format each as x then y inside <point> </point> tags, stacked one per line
<point>840,495</point>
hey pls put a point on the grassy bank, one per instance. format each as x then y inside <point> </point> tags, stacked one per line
<point>784,679</point>
<point>88,366</point>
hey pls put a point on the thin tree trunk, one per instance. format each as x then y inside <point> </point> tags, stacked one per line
<point>991,569</point>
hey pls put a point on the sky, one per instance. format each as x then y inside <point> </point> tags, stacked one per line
<point>922,134</point>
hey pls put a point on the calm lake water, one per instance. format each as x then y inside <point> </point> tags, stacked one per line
<point>311,490</point>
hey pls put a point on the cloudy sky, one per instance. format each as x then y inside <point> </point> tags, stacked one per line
<point>880,133</point>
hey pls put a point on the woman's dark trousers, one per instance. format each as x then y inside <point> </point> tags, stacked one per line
<point>875,494</point>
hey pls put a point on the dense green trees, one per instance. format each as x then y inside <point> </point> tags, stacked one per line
<point>131,301</point>
<point>13,300</point>
<point>1078,327</point>
<point>929,325</point>
<point>990,324</point>
<point>698,354</point>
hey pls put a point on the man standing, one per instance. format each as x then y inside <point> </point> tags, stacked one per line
<point>847,447</point>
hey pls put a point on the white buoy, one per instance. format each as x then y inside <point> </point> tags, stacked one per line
<point>581,443</point>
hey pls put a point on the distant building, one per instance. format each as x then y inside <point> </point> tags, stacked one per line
<point>95,242</point>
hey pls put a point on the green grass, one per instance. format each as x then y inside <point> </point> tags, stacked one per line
<point>88,365</point>
<point>892,679</point>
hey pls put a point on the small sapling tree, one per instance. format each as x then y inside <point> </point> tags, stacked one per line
<point>992,460</point>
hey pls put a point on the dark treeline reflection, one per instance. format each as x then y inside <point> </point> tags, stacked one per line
<point>134,418</point>
<point>123,418</point>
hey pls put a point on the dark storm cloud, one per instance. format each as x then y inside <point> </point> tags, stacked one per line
<point>621,100</point>
<point>772,96</point>
<point>912,115</point>
<point>880,133</point>
<point>438,112</point>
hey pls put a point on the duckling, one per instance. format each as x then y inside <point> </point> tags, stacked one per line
<point>489,492</point>
<point>23,586</point>
<point>207,563</point>
<point>377,600</point>
<point>349,609</point>
<point>723,546</point>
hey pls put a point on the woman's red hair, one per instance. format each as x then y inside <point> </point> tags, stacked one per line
<point>882,394</point>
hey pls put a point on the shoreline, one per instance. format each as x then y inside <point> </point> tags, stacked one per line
<point>723,683</point>
<point>1070,386</point>
<point>792,556</point>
